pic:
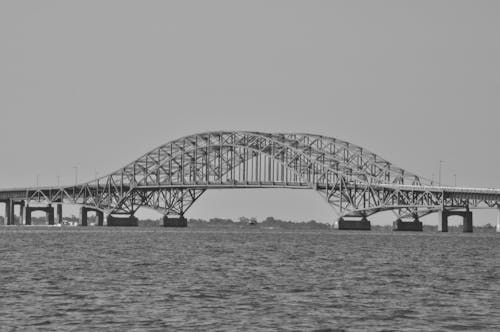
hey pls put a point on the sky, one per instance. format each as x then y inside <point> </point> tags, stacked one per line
<point>96,84</point>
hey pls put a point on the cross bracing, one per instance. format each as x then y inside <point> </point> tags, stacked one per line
<point>171,177</point>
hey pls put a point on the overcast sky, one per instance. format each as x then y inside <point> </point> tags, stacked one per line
<point>95,84</point>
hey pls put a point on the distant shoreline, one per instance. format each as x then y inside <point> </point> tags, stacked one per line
<point>269,223</point>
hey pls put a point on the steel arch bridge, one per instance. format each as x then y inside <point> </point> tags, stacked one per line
<point>173,176</point>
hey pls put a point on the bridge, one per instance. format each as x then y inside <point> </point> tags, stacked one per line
<point>357,183</point>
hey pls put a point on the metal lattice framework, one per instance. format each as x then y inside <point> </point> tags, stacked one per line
<point>353,180</point>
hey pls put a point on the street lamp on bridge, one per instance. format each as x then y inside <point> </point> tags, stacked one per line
<point>76,174</point>
<point>440,168</point>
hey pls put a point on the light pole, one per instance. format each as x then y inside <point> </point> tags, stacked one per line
<point>440,167</point>
<point>37,181</point>
<point>58,180</point>
<point>76,174</point>
<point>455,178</point>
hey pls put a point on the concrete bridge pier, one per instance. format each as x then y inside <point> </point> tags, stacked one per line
<point>174,221</point>
<point>59,213</point>
<point>21,212</point>
<point>362,224</point>
<point>84,216</point>
<point>468,227</point>
<point>100,217</point>
<point>27,215</point>
<point>498,219</point>
<point>50,214</point>
<point>49,211</point>
<point>9,212</point>
<point>408,226</point>
<point>122,220</point>
<point>466,217</point>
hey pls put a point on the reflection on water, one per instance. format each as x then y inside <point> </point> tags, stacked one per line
<point>156,279</point>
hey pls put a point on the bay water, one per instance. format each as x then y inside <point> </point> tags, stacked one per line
<point>248,279</point>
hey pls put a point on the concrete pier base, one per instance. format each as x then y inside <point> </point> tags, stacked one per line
<point>122,221</point>
<point>49,212</point>
<point>27,215</point>
<point>9,212</point>
<point>411,226</point>
<point>353,224</point>
<point>467,223</point>
<point>466,217</point>
<point>59,214</point>
<point>498,219</point>
<point>100,217</point>
<point>174,222</point>
<point>84,216</point>
<point>442,222</point>
<point>22,220</point>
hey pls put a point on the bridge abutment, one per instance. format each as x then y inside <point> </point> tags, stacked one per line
<point>362,224</point>
<point>122,221</point>
<point>174,221</point>
<point>408,226</point>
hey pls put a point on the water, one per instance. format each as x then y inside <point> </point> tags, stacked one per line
<point>158,279</point>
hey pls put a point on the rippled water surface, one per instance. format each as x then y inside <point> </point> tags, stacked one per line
<point>252,279</point>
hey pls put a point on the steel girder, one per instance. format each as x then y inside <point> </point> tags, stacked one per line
<point>173,176</point>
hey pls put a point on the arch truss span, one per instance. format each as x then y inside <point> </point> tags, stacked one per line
<point>172,177</point>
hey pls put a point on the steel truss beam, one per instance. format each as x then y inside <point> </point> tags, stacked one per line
<point>353,180</point>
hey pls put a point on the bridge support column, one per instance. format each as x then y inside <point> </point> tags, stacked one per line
<point>498,219</point>
<point>122,221</point>
<point>411,226</point>
<point>100,218</point>
<point>27,215</point>
<point>21,213</point>
<point>353,224</point>
<point>50,214</point>
<point>443,221</point>
<point>467,223</point>
<point>174,222</point>
<point>83,216</point>
<point>9,212</point>
<point>59,213</point>
<point>467,226</point>
<point>5,212</point>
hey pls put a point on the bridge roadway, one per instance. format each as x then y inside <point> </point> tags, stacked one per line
<point>24,196</point>
<point>355,182</point>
